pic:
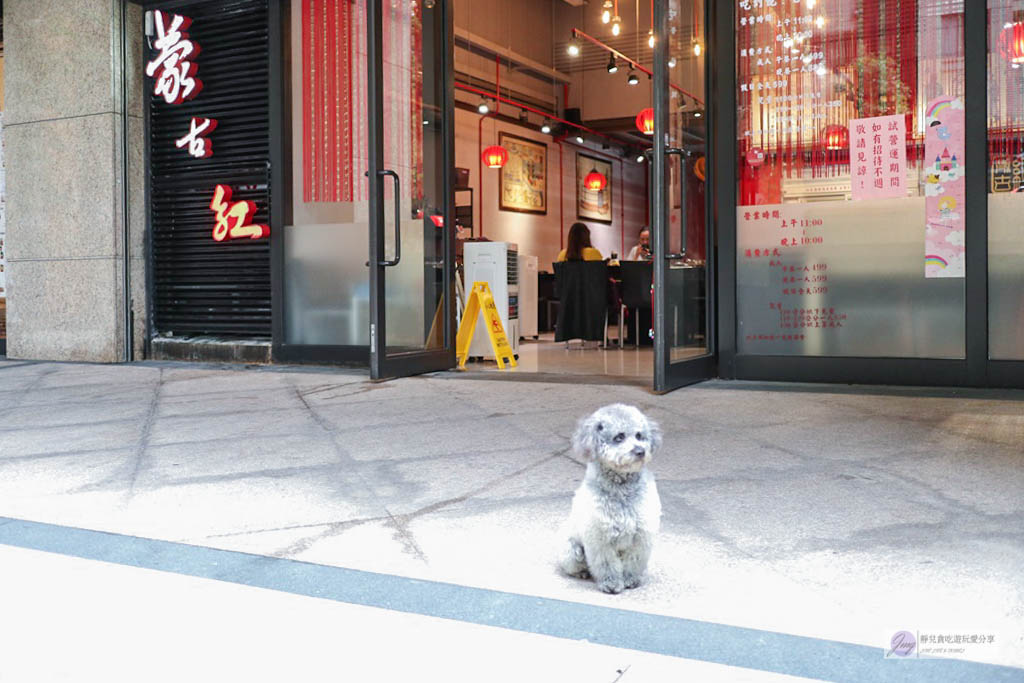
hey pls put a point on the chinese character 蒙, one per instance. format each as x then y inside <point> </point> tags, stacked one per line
<point>173,73</point>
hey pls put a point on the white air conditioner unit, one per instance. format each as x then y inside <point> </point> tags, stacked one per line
<point>497,264</point>
<point>528,296</point>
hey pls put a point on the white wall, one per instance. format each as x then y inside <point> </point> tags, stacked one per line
<point>540,235</point>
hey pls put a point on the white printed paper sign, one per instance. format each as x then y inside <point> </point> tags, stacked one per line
<point>878,157</point>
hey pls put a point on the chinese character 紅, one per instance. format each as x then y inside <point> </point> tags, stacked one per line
<point>233,217</point>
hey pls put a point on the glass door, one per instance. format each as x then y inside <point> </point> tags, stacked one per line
<point>684,344</point>
<point>410,145</point>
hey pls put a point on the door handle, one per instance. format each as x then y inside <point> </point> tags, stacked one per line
<point>398,217</point>
<point>683,157</point>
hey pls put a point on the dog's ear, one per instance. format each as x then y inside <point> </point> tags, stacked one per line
<point>654,429</point>
<point>585,438</point>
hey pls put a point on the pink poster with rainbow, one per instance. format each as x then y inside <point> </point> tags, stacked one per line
<point>944,188</point>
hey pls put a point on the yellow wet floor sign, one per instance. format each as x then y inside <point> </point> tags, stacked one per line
<point>481,299</point>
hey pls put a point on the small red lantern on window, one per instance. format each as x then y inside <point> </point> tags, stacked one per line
<point>495,156</point>
<point>835,137</point>
<point>1011,43</point>
<point>595,181</point>
<point>645,121</point>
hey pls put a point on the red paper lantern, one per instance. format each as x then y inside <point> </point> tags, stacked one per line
<point>595,181</point>
<point>645,121</point>
<point>836,137</point>
<point>495,156</point>
<point>755,156</point>
<point>1011,43</point>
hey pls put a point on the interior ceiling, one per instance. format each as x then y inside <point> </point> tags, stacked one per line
<point>518,29</point>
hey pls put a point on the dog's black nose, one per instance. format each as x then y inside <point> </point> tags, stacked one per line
<point>638,451</point>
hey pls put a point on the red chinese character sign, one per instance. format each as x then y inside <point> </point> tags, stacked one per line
<point>233,217</point>
<point>173,73</point>
<point>878,157</point>
<point>196,141</point>
<point>944,188</point>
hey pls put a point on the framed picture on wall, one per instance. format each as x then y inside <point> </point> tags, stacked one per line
<point>523,180</point>
<point>593,188</point>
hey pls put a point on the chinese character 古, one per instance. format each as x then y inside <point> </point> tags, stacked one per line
<point>198,145</point>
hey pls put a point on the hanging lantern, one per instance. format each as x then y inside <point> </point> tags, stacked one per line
<point>645,121</point>
<point>595,181</point>
<point>495,156</point>
<point>1011,42</point>
<point>835,137</point>
<point>755,157</point>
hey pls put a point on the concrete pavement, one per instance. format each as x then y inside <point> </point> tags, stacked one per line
<point>827,513</point>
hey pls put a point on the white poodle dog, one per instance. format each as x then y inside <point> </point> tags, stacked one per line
<point>616,510</point>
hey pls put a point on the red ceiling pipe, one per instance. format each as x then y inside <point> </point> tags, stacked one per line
<point>640,67</point>
<point>480,160</point>
<point>622,206</point>
<point>561,196</point>
<point>478,91</point>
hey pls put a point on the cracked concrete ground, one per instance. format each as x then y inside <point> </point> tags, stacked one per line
<point>830,512</point>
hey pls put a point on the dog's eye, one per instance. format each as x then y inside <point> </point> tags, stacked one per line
<point>619,438</point>
<point>639,436</point>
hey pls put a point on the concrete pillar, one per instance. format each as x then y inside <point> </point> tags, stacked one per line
<point>65,204</point>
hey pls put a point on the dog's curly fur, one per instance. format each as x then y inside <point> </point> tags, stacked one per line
<point>616,510</point>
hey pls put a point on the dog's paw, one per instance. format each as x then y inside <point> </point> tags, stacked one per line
<point>630,582</point>
<point>611,585</point>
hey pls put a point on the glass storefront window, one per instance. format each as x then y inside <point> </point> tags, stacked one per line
<point>1006,179</point>
<point>850,161</point>
<point>327,226</point>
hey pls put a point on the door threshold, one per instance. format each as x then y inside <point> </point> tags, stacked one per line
<point>547,377</point>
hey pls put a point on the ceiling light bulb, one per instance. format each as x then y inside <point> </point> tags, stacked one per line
<point>483,107</point>
<point>633,79</point>
<point>613,66</point>
<point>606,14</point>
<point>616,26</point>
<point>696,114</point>
<point>579,139</point>
<point>819,22</point>
<point>672,64</point>
<point>696,49</point>
<point>650,39</point>
<point>573,48</point>
<point>639,158</point>
<point>545,127</point>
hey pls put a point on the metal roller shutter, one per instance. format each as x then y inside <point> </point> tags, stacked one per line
<point>199,286</point>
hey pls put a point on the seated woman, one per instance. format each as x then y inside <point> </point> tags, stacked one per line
<point>578,247</point>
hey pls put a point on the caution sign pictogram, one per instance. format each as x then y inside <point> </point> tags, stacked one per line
<point>481,299</point>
